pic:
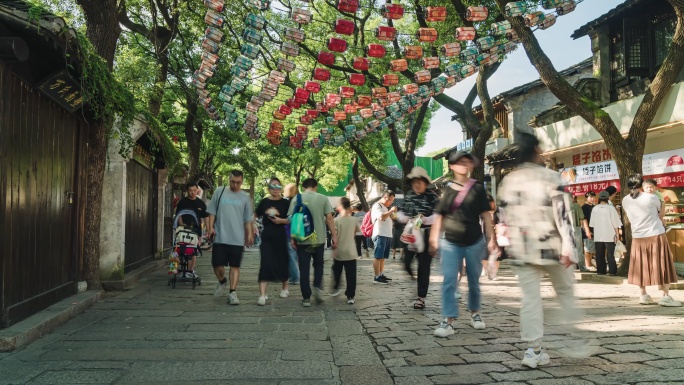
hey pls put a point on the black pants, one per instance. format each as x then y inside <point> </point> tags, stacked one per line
<point>424,263</point>
<point>306,253</point>
<point>605,251</point>
<point>349,273</point>
<point>360,241</point>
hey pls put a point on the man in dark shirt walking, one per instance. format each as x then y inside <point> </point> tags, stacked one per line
<point>192,202</point>
<point>588,237</point>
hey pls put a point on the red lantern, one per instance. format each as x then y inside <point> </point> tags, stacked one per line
<point>278,115</point>
<point>423,76</point>
<point>392,11</point>
<point>379,92</point>
<point>321,74</point>
<point>360,63</point>
<point>390,80</point>
<point>476,13</point>
<point>431,62</point>
<point>339,115</point>
<point>436,14</point>
<point>426,35</point>
<point>301,95</point>
<point>363,100</point>
<point>350,6</point>
<point>312,113</point>
<point>450,49</point>
<point>350,109</point>
<point>305,119</point>
<point>347,92</point>
<point>345,27</point>
<point>321,107</point>
<point>413,52</point>
<point>276,126</point>
<point>393,97</point>
<point>293,103</point>
<point>398,65</point>
<point>337,45</point>
<point>326,58</point>
<point>357,79</point>
<point>376,50</point>
<point>465,33</point>
<point>410,89</point>
<point>332,100</point>
<point>313,87</point>
<point>366,113</point>
<point>385,33</point>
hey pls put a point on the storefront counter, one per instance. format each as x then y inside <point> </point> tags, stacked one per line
<point>675,234</point>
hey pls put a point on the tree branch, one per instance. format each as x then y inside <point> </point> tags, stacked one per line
<point>372,169</point>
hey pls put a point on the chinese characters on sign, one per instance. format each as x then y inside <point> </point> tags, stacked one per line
<point>591,157</point>
<point>583,188</point>
<point>64,90</point>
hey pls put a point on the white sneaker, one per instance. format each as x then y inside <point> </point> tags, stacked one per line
<point>262,300</point>
<point>350,301</point>
<point>336,292</point>
<point>532,359</point>
<point>444,329</point>
<point>233,298</point>
<point>318,295</point>
<point>457,295</point>
<point>284,293</point>
<point>669,302</point>
<point>647,300</point>
<point>220,289</point>
<point>477,322</point>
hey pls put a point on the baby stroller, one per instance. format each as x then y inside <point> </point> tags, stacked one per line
<point>186,244</point>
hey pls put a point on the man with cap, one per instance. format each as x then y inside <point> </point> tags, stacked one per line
<point>606,224</point>
<point>419,202</point>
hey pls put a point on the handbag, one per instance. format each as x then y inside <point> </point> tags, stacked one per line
<point>456,221</point>
<point>620,249</point>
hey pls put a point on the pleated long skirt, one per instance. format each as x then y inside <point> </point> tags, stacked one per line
<point>651,262</point>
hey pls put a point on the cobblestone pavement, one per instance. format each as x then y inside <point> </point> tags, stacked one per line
<point>153,334</point>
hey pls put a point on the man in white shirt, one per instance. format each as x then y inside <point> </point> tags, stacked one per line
<point>606,224</point>
<point>381,215</point>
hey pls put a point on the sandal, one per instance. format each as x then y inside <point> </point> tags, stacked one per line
<point>419,304</point>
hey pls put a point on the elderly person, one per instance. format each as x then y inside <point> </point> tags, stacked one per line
<point>419,202</point>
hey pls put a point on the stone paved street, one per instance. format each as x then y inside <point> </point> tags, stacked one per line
<point>155,335</point>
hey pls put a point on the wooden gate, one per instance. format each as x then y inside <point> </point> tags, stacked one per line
<point>39,149</point>
<point>141,212</point>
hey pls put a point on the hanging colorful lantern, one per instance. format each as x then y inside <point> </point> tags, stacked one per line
<point>357,79</point>
<point>339,115</point>
<point>326,58</point>
<point>313,87</point>
<point>515,8</point>
<point>476,13</point>
<point>301,95</point>
<point>385,33</point>
<point>513,36</point>
<point>261,5</point>
<point>276,76</point>
<point>252,108</point>
<point>465,33</point>
<point>360,63</point>
<point>376,50</point>
<point>501,28</point>
<point>267,95</point>
<point>450,49</point>
<point>285,65</point>
<point>413,52</point>
<point>392,11</point>
<point>301,16</point>
<point>202,93</point>
<point>366,113</point>
<point>337,45</point>
<point>438,83</point>
<point>278,115</point>
<point>390,80</point>
<point>321,74</point>
<point>431,62</point>
<point>410,88</point>
<point>228,108</point>
<point>249,50</point>
<point>549,20</point>
<point>398,65</point>
<point>210,57</point>
<point>487,59</point>
<point>293,103</point>
<point>379,92</point>
<point>347,92</point>
<point>257,22</point>
<point>468,54</point>
<point>344,27</point>
<point>238,72</point>
<point>468,70</point>
<point>426,35</point>
<point>305,119</point>
<point>485,43</point>
<point>214,19</point>
<point>393,97</point>
<point>216,5</point>
<point>394,107</point>
<point>423,76</point>
<point>214,34</point>
<point>534,18</point>
<point>210,46</point>
<point>551,4</point>
<point>380,114</point>
<point>276,127</point>
<point>243,62</point>
<point>332,100</point>
<point>294,34</point>
<point>313,114</point>
<point>321,107</point>
<point>436,14</point>
<point>270,85</point>
<point>289,48</point>
<point>251,35</point>
<point>364,100</point>
<point>350,6</point>
<point>566,7</point>
<point>350,109</point>
<point>198,83</point>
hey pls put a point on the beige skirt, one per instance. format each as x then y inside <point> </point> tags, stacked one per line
<point>651,262</point>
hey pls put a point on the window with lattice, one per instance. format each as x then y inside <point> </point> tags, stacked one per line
<point>663,32</point>
<point>637,46</point>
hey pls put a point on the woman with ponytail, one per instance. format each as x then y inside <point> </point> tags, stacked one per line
<point>651,261</point>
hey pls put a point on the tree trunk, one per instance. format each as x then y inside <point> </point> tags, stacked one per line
<point>372,169</point>
<point>194,139</point>
<point>360,186</point>
<point>102,29</point>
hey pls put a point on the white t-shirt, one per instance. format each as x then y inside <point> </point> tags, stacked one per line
<point>643,213</point>
<point>382,228</point>
<point>604,220</point>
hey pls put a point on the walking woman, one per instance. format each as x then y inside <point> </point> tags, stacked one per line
<point>651,261</point>
<point>274,257</point>
<point>458,214</point>
<point>419,201</point>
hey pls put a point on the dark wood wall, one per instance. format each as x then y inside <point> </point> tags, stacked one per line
<point>141,192</point>
<point>40,151</point>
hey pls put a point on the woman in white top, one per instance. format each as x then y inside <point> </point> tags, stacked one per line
<point>651,261</point>
<point>606,224</point>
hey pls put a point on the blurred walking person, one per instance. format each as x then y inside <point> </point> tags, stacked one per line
<point>289,192</point>
<point>606,224</point>
<point>344,256</point>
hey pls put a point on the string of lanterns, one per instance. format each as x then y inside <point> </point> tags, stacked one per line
<point>363,114</point>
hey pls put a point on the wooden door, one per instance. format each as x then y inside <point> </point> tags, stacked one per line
<point>140,215</point>
<point>38,153</point>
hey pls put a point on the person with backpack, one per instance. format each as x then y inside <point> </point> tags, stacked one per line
<point>380,217</point>
<point>309,214</point>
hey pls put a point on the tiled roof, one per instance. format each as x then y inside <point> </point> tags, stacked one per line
<point>583,30</point>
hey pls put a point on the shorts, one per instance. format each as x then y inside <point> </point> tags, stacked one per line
<point>226,255</point>
<point>383,245</point>
<point>589,246</point>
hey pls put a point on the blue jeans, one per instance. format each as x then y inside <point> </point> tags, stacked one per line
<point>294,266</point>
<point>453,256</point>
<point>383,245</point>
<point>306,253</point>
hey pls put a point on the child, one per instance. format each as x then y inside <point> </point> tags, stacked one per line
<point>345,254</point>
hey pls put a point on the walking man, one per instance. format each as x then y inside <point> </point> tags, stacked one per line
<point>191,202</point>
<point>381,215</point>
<point>588,236</point>
<point>314,247</point>
<point>542,241</point>
<point>230,222</point>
